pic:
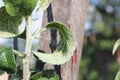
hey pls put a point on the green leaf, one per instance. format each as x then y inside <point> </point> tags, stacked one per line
<point>9,25</point>
<point>7,61</point>
<point>117,76</point>
<point>10,9</point>
<point>12,5</point>
<point>45,75</point>
<point>65,47</point>
<point>116,45</point>
<point>27,6</point>
<point>42,5</point>
<point>21,7</point>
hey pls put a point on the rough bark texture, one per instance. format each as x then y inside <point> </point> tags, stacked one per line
<point>74,12</point>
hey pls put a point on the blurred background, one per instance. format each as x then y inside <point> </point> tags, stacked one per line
<point>101,32</point>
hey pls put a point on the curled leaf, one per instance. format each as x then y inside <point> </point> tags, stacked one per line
<point>116,45</point>
<point>65,47</point>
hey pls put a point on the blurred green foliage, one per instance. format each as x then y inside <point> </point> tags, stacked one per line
<point>97,61</point>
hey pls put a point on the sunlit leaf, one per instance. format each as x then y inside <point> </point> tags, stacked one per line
<point>7,61</point>
<point>116,45</point>
<point>9,25</point>
<point>65,47</point>
<point>10,9</point>
<point>117,76</point>
<point>12,6</point>
<point>45,75</point>
<point>42,5</point>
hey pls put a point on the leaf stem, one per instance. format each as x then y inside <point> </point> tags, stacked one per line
<point>19,54</point>
<point>37,32</point>
<point>26,59</point>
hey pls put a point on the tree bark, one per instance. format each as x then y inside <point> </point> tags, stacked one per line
<point>73,13</point>
<point>78,13</point>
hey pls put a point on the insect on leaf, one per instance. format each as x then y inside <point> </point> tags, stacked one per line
<point>65,47</point>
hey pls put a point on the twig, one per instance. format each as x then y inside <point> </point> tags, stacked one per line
<point>19,54</point>
<point>26,59</point>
